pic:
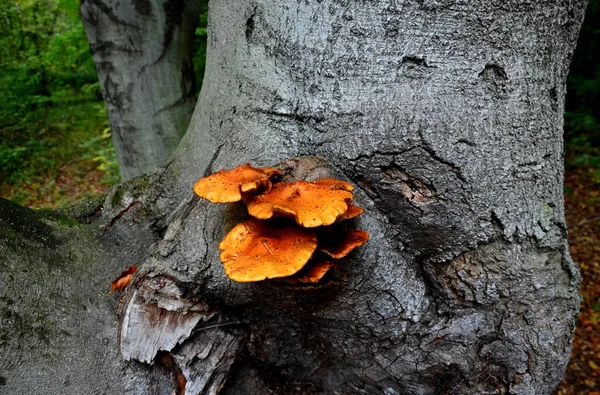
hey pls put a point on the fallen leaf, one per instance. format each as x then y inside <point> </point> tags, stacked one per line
<point>123,279</point>
<point>589,383</point>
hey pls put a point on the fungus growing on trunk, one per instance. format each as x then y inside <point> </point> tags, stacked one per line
<point>352,212</point>
<point>308,203</point>
<point>227,186</point>
<point>257,250</point>
<point>314,271</point>
<point>333,183</point>
<point>340,246</point>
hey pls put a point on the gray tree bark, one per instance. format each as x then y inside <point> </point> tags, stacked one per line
<point>447,117</point>
<point>143,55</point>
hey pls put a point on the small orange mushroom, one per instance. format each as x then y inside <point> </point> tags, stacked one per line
<point>339,247</point>
<point>227,186</point>
<point>311,273</point>
<point>308,203</point>
<point>256,250</point>
<point>352,212</point>
<point>315,271</point>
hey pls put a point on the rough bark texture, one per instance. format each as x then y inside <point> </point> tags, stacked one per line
<point>447,116</point>
<point>57,326</point>
<point>143,55</point>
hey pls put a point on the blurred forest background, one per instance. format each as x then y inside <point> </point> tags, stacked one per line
<point>55,143</point>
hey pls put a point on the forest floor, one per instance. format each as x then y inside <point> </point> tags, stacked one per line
<point>582,210</point>
<point>58,156</point>
<point>85,166</point>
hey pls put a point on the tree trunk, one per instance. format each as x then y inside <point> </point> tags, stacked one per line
<point>143,55</point>
<point>447,117</point>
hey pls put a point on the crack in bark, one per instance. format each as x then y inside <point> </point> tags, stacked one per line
<point>105,48</point>
<point>250,24</point>
<point>427,146</point>
<point>209,168</point>
<point>106,10</point>
<point>120,214</point>
<point>294,116</point>
<point>418,60</point>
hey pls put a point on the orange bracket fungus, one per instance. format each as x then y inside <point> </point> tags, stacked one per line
<point>227,186</point>
<point>314,271</point>
<point>256,250</point>
<point>352,212</point>
<point>341,246</point>
<point>308,203</point>
<point>260,248</point>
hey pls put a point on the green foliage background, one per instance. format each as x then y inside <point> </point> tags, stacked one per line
<point>53,124</point>
<point>43,50</point>
<point>55,142</point>
<point>51,113</point>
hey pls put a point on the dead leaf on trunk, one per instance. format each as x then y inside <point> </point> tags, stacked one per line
<point>123,279</point>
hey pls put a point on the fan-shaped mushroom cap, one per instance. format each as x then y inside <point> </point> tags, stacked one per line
<point>255,250</point>
<point>311,273</point>
<point>333,183</point>
<point>339,247</point>
<point>308,203</point>
<point>226,186</point>
<point>352,212</point>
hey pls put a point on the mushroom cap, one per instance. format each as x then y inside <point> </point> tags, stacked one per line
<point>270,171</point>
<point>352,212</point>
<point>256,250</point>
<point>226,186</point>
<point>308,203</point>
<point>333,183</point>
<point>339,247</point>
<point>311,273</point>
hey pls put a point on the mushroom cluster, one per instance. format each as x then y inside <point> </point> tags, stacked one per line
<point>267,247</point>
